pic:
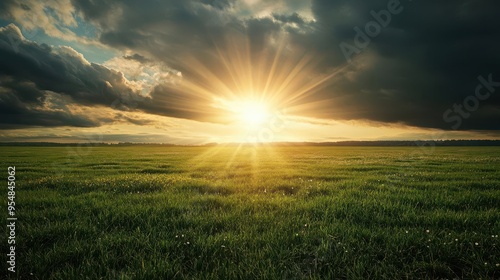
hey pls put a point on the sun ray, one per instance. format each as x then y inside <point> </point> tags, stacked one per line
<point>272,70</point>
<point>240,85</point>
<point>235,153</point>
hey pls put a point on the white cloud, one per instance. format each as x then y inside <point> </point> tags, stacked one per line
<point>55,17</point>
<point>264,8</point>
<point>143,77</point>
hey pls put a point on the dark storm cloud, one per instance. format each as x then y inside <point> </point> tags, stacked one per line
<point>428,58</point>
<point>293,18</point>
<point>259,32</point>
<point>37,82</point>
<point>17,114</point>
<point>168,30</point>
<point>220,4</point>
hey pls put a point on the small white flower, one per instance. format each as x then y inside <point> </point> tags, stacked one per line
<point>456,239</point>
<point>406,231</point>
<point>427,231</point>
<point>187,243</point>
<point>477,244</point>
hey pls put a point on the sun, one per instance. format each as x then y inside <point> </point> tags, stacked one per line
<point>249,113</point>
<point>252,113</point>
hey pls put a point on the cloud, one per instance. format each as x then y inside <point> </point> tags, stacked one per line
<point>38,82</point>
<point>410,73</point>
<point>56,18</point>
<point>418,67</point>
<point>40,85</point>
<point>265,8</point>
<point>424,61</point>
<point>137,57</point>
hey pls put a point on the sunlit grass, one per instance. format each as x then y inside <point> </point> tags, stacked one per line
<point>257,212</point>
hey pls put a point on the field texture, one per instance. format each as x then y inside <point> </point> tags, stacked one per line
<point>255,213</point>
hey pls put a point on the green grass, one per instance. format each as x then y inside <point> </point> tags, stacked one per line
<point>255,213</point>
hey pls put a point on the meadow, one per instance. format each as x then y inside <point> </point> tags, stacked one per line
<point>267,212</point>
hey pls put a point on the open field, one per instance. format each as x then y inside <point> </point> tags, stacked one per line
<point>256,213</point>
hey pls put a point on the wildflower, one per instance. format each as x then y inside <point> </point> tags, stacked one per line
<point>456,240</point>
<point>477,244</point>
<point>406,231</point>
<point>427,231</point>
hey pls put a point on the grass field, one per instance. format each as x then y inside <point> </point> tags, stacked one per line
<point>255,213</point>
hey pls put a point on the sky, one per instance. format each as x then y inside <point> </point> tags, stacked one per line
<point>205,71</point>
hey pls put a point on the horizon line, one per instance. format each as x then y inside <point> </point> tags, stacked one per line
<point>440,142</point>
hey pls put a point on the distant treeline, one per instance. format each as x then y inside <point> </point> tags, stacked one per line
<point>340,143</point>
<point>85,144</point>
<point>412,143</point>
